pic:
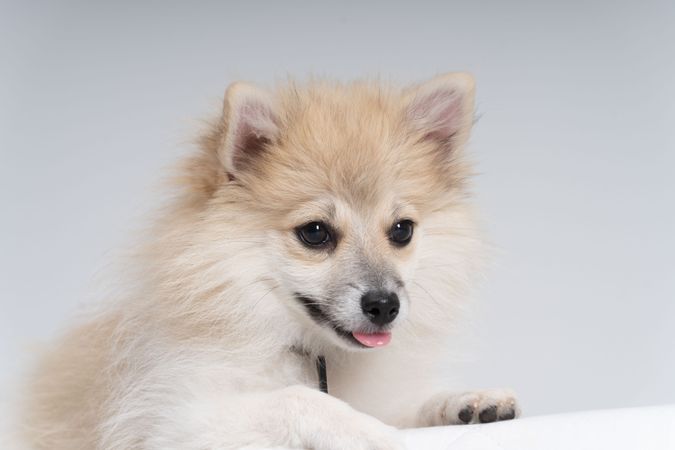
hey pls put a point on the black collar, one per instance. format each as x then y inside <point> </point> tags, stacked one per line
<point>321,371</point>
<point>320,367</point>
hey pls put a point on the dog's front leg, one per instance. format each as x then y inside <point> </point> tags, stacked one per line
<point>299,416</point>
<point>452,408</point>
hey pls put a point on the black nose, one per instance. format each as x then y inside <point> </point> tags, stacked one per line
<point>380,307</point>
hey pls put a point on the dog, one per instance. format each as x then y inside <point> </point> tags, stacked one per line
<point>320,239</point>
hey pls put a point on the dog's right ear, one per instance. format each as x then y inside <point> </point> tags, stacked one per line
<point>251,124</point>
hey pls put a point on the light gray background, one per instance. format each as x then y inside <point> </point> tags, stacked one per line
<point>575,149</point>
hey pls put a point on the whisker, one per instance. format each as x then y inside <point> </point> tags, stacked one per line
<point>428,293</point>
<point>265,295</point>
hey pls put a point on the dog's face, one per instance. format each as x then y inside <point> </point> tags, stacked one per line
<point>343,180</point>
<point>347,264</point>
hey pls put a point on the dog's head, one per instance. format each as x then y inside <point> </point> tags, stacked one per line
<point>350,191</point>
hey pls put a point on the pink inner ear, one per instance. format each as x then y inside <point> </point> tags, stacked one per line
<point>253,131</point>
<point>438,113</point>
<point>247,146</point>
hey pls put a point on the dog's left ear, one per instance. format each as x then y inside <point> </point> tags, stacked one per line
<point>441,109</point>
<point>251,124</point>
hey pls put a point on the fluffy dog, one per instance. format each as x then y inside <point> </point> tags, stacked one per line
<point>318,222</point>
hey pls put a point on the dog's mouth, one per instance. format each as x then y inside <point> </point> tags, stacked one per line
<point>361,339</point>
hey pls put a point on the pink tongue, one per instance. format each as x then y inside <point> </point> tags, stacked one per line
<point>374,339</point>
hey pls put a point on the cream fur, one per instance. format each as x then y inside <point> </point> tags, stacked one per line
<point>211,350</point>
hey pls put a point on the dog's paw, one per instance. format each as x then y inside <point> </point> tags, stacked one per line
<point>322,422</point>
<point>471,407</point>
<point>374,441</point>
<point>355,431</point>
<point>360,437</point>
<point>369,434</point>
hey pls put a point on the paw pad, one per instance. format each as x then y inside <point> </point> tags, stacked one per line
<point>508,414</point>
<point>466,414</point>
<point>488,414</point>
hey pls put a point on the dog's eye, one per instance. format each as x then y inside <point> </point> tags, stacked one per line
<point>401,232</point>
<point>314,234</point>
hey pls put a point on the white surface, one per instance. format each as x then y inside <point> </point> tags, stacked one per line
<point>575,150</point>
<point>621,429</point>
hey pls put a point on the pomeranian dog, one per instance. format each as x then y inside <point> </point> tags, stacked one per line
<point>321,239</point>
